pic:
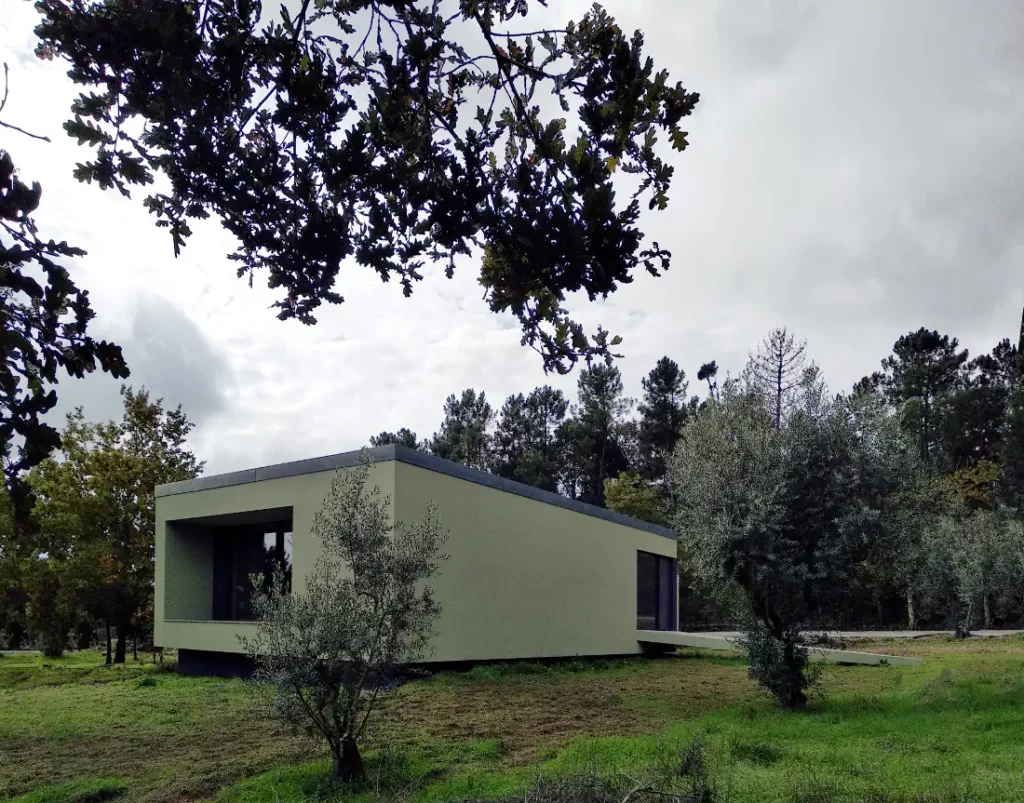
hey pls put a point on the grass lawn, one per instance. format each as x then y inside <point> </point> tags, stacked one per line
<point>950,730</point>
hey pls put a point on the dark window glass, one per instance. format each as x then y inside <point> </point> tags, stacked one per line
<point>245,559</point>
<point>668,586</point>
<point>254,556</point>
<point>646,591</point>
<point>285,558</point>
<point>656,587</point>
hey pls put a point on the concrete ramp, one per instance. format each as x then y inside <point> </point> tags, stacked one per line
<point>823,655</point>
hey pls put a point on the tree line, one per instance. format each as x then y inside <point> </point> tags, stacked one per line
<point>950,426</point>
<point>80,571</point>
<point>956,410</point>
<point>586,450</point>
<point>900,502</point>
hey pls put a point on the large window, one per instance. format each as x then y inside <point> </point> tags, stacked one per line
<point>656,587</point>
<point>244,558</point>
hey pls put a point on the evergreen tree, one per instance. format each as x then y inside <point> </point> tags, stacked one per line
<point>970,416</point>
<point>525,446</point>
<point>525,443</point>
<point>662,415</point>
<point>593,441</point>
<point>709,373</point>
<point>404,437</point>
<point>775,371</point>
<point>514,439</point>
<point>1011,449</point>
<point>548,407</point>
<point>923,368</point>
<point>463,437</point>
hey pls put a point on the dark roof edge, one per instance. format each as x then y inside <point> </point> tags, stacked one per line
<point>400,454</point>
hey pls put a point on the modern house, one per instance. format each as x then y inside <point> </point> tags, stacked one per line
<point>530,574</point>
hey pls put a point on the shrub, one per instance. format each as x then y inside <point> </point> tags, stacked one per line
<point>781,665</point>
<point>364,612</point>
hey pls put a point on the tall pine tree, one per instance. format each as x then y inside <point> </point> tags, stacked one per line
<point>513,439</point>
<point>464,437</point>
<point>1011,451</point>
<point>525,444</point>
<point>662,415</point>
<point>923,368</point>
<point>970,418</point>
<point>592,438</point>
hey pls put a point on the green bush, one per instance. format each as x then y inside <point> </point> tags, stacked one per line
<point>781,667</point>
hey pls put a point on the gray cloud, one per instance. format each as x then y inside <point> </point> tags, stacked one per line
<point>168,354</point>
<point>854,173</point>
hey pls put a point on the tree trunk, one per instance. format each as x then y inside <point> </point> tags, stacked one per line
<point>911,618</point>
<point>797,699</point>
<point>135,646</point>
<point>108,662</point>
<point>926,433</point>
<point>122,645</point>
<point>778,395</point>
<point>348,764</point>
<point>987,613</point>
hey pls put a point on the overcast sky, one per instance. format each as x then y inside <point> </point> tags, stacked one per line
<point>855,171</point>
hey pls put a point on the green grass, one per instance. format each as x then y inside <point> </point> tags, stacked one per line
<point>957,738</point>
<point>949,730</point>
<point>168,737</point>
<point>82,791</point>
<point>30,670</point>
<point>437,772</point>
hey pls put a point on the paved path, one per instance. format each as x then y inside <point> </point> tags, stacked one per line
<point>879,635</point>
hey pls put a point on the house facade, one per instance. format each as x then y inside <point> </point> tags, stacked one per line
<point>530,574</point>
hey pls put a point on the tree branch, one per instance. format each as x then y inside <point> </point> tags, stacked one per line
<point>3,103</point>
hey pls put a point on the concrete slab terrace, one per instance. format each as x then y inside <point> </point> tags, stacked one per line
<point>881,635</point>
<point>713,641</point>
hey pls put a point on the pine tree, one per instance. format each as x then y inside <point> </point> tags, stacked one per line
<point>463,437</point>
<point>923,368</point>
<point>662,415</point>
<point>404,437</point>
<point>1011,451</point>
<point>709,373</point>
<point>775,371</point>
<point>592,440</point>
<point>970,418</point>
<point>513,439</point>
<point>525,441</point>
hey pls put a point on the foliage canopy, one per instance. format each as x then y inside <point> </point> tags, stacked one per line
<point>394,132</point>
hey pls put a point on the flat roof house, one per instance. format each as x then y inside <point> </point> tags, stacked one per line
<point>530,574</point>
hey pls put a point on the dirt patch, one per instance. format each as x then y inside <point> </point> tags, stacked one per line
<point>534,715</point>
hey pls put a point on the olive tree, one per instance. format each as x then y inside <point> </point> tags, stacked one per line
<point>330,647</point>
<point>971,560</point>
<point>778,512</point>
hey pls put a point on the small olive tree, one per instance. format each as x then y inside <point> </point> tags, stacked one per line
<point>331,647</point>
<point>972,559</point>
